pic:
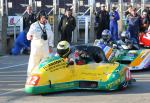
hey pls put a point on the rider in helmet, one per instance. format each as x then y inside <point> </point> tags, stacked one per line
<point>105,40</point>
<point>125,42</point>
<point>63,49</point>
<point>80,55</point>
<point>106,35</point>
<point>71,56</point>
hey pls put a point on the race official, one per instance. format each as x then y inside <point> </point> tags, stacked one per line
<point>113,25</point>
<point>67,25</point>
<point>42,39</point>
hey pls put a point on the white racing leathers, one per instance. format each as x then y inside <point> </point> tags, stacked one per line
<point>39,47</point>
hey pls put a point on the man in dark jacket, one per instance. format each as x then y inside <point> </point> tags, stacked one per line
<point>67,25</point>
<point>28,18</point>
<point>101,21</point>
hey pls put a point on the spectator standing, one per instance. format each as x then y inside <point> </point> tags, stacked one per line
<point>101,21</point>
<point>144,21</point>
<point>28,18</point>
<point>21,44</point>
<point>134,23</point>
<point>67,25</point>
<point>42,39</point>
<point>113,25</point>
<point>128,11</point>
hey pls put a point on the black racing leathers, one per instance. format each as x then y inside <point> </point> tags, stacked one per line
<point>95,53</point>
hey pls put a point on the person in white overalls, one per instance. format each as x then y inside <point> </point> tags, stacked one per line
<point>42,40</point>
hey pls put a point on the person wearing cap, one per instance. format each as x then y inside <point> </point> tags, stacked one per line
<point>113,25</point>
<point>67,25</point>
<point>134,23</point>
<point>42,40</point>
<point>101,21</point>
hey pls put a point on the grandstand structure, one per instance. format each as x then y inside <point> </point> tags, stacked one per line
<point>18,6</point>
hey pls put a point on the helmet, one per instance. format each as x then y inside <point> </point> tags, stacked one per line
<point>41,13</point>
<point>125,35</point>
<point>63,48</point>
<point>106,35</point>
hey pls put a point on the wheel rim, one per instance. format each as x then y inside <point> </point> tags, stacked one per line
<point>125,84</point>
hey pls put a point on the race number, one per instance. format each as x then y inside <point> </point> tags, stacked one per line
<point>33,80</point>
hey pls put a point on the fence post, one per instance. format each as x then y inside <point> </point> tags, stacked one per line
<point>86,29</point>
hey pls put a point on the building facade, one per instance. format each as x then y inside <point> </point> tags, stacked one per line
<point>16,7</point>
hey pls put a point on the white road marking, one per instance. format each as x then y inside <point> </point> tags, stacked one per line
<point>4,56</point>
<point>4,72</point>
<point>12,81</point>
<point>7,89</point>
<point>16,84</point>
<point>13,91</point>
<point>16,75</point>
<point>11,67</point>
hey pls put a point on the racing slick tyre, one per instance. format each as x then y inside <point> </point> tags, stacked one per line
<point>124,85</point>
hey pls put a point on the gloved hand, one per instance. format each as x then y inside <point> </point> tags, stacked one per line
<point>83,54</point>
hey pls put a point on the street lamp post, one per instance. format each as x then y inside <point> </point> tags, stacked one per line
<point>33,4</point>
<point>108,5</point>
<point>75,7</point>
<point>121,15</point>
<point>142,5</point>
<point>3,23</point>
<point>55,24</point>
<point>132,2</point>
<point>92,20</point>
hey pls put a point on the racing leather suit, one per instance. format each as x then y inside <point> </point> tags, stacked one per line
<point>93,54</point>
<point>39,46</point>
<point>127,44</point>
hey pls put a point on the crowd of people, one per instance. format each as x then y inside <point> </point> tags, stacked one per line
<point>135,23</point>
<point>37,38</point>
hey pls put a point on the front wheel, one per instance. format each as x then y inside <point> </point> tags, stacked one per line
<point>124,85</point>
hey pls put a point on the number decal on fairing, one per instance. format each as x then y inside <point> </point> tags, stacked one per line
<point>32,80</point>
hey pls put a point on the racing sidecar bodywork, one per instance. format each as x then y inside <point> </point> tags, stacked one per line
<point>144,39</point>
<point>53,74</point>
<point>135,59</point>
